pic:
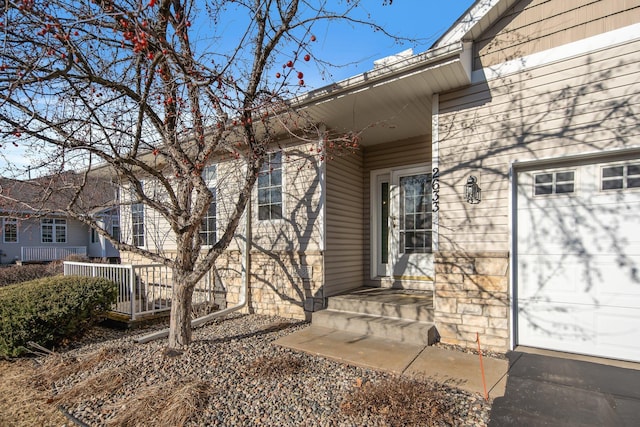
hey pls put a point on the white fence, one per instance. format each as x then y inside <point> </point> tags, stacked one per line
<point>142,289</point>
<point>50,253</point>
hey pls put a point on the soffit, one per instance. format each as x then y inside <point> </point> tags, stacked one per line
<point>388,107</point>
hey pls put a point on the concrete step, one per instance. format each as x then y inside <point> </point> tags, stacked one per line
<point>406,331</point>
<point>407,306</point>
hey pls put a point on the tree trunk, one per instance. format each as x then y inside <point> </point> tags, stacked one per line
<point>180,321</point>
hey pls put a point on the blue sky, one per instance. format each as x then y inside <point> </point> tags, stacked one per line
<point>423,20</point>
<point>351,49</point>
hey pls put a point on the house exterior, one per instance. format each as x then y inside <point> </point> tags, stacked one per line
<point>533,101</point>
<point>34,233</point>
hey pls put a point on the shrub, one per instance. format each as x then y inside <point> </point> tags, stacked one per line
<point>49,310</point>
<point>24,273</point>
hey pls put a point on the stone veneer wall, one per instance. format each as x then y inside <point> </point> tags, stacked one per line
<point>286,283</point>
<point>472,296</point>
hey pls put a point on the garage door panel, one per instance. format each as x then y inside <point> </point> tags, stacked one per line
<point>578,261</point>
<point>618,329</point>
<point>545,324</point>
<point>599,331</point>
<point>561,279</point>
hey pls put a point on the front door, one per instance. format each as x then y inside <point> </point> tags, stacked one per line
<point>403,221</point>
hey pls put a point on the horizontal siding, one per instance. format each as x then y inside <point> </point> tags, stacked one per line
<point>299,230</point>
<point>533,26</point>
<point>588,103</point>
<point>398,153</point>
<point>344,224</point>
<point>540,77</point>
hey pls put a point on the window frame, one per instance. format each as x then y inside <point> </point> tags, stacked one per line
<point>10,222</point>
<point>403,225</point>
<point>94,237</point>
<point>268,170</point>
<point>138,237</point>
<point>209,237</point>
<point>115,224</point>
<point>554,183</point>
<point>624,177</point>
<point>56,224</point>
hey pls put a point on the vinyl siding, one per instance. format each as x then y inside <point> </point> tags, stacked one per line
<point>535,25</point>
<point>388,156</point>
<point>29,235</point>
<point>298,230</point>
<point>587,103</point>
<point>343,262</point>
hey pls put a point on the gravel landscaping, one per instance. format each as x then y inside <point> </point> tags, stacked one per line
<point>232,375</point>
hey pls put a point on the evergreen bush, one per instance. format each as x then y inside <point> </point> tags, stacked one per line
<point>51,309</point>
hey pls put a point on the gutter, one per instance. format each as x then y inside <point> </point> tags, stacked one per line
<point>243,290</point>
<point>377,76</point>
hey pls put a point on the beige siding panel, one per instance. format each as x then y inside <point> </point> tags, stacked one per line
<point>622,58</point>
<point>398,153</point>
<point>300,227</point>
<point>344,228</point>
<point>537,25</point>
<point>590,103</point>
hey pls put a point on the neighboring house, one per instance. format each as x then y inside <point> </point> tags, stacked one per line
<point>533,101</point>
<point>32,230</point>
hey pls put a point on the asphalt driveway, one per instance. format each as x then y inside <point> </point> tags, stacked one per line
<point>551,391</point>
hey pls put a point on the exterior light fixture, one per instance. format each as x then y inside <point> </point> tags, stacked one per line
<point>472,191</point>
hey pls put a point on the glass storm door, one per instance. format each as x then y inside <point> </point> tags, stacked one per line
<point>410,222</point>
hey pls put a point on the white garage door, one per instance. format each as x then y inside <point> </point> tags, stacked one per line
<point>578,259</point>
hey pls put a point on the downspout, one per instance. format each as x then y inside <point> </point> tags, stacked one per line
<point>243,290</point>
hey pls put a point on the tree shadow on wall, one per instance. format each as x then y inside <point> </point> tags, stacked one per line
<point>573,240</point>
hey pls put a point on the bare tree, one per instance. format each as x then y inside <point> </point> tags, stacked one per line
<point>133,85</point>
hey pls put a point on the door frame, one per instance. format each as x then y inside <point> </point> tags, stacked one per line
<point>376,178</point>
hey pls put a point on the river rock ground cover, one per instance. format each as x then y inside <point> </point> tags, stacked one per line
<point>231,375</point>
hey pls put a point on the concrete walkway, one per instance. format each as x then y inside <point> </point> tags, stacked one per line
<point>544,389</point>
<point>449,367</point>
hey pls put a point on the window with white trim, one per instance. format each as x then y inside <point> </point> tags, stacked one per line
<point>619,177</point>
<point>53,230</point>
<point>208,230</point>
<point>270,188</point>
<point>115,225</point>
<point>561,182</point>
<point>137,224</point>
<point>10,230</point>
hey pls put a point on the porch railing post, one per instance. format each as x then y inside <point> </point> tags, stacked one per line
<point>132,283</point>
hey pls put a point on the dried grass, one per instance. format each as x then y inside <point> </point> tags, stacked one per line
<point>401,402</point>
<point>171,404</point>
<point>269,366</point>
<point>21,402</point>
<point>104,383</point>
<point>57,366</point>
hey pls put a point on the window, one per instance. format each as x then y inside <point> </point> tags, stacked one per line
<point>10,230</point>
<point>137,223</point>
<point>620,176</point>
<point>562,182</point>
<point>53,230</point>
<point>94,236</point>
<point>208,226</point>
<point>270,188</point>
<point>415,214</point>
<point>115,226</point>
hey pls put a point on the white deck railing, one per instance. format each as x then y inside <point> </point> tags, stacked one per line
<point>50,253</point>
<point>142,289</point>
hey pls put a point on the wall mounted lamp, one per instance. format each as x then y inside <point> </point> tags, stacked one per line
<point>472,192</point>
